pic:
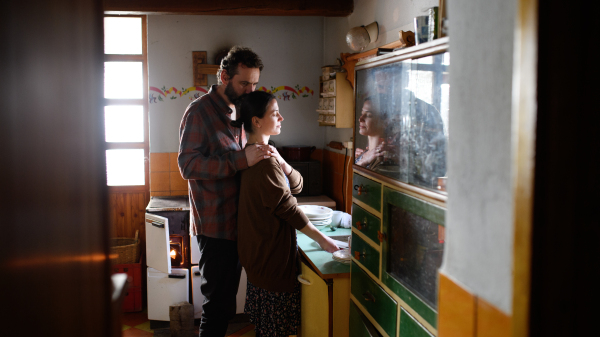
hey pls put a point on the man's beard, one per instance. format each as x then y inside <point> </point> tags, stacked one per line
<point>232,96</point>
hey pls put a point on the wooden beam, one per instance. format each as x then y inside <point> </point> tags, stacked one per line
<point>339,8</point>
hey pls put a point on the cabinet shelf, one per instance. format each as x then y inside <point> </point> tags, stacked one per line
<point>336,102</point>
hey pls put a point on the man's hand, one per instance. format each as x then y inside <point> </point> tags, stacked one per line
<point>287,169</point>
<point>256,153</point>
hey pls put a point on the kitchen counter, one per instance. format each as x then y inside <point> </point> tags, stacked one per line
<point>321,261</point>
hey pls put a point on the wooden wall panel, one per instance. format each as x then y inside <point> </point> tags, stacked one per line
<point>127,215</point>
<point>491,321</point>
<point>333,174</point>
<point>457,309</point>
<point>233,7</point>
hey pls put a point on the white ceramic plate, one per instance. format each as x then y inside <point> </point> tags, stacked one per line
<point>321,223</point>
<point>341,255</point>
<point>312,218</point>
<point>316,211</point>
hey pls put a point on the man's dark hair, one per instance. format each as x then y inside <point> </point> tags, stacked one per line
<point>236,56</point>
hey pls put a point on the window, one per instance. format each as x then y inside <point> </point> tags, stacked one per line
<point>126,102</point>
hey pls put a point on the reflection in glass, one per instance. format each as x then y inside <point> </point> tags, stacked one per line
<point>402,119</point>
<point>122,35</point>
<point>124,123</point>
<point>372,121</point>
<point>123,80</point>
<point>125,167</point>
<point>417,246</point>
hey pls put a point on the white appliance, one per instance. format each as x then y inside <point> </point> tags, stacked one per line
<point>165,290</point>
<point>168,285</point>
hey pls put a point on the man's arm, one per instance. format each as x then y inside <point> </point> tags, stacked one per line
<point>194,161</point>
<point>193,145</point>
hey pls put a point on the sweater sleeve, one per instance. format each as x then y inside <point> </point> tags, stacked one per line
<point>275,195</point>
<point>296,182</point>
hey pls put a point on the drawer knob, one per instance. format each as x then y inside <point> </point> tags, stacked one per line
<point>360,189</point>
<point>369,297</point>
<point>358,254</point>
<point>381,236</point>
<point>361,225</point>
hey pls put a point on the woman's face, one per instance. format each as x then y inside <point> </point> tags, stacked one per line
<point>270,124</point>
<point>369,122</point>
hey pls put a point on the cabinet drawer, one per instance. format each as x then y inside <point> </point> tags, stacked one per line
<point>378,303</point>
<point>365,222</point>
<point>360,325</point>
<point>365,254</point>
<point>410,327</point>
<point>367,191</point>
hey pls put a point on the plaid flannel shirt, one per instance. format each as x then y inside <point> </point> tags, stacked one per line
<point>210,154</point>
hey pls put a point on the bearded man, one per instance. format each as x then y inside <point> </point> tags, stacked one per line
<point>211,152</point>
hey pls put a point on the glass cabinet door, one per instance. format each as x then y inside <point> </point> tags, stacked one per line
<point>401,127</point>
<point>412,240</point>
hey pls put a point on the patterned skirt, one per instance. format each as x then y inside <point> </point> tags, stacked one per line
<point>273,314</point>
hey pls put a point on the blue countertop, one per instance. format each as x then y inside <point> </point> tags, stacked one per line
<point>320,260</point>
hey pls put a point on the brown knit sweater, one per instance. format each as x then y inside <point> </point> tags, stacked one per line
<point>267,221</point>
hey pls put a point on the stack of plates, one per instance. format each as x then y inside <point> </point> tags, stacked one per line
<point>342,256</point>
<point>318,215</point>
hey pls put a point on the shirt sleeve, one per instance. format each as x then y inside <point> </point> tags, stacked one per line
<point>276,197</point>
<point>194,159</point>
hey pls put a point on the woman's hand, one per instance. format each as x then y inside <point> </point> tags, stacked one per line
<point>327,244</point>
<point>371,154</point>
<point>358,152</point>
<point>323,240</point>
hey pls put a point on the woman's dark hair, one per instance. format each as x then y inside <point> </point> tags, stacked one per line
<point>236,56</point>
<point>253,104</point>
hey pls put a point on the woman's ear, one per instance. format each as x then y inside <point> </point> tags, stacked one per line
<point>256,122</point>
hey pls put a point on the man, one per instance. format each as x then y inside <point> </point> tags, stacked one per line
<point>211,152</point>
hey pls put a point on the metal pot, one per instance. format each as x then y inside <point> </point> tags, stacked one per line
<point>297,152</point>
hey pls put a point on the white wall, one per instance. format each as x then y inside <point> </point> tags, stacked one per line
<point>291,49</point>
<point>479,218</point>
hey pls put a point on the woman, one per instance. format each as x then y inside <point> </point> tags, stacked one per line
<point>268,217</point>
<point>372,126</point>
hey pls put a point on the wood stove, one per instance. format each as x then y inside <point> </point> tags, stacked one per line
<point>168,252</point>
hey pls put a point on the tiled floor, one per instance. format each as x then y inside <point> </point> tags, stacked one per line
<point>136,324</point>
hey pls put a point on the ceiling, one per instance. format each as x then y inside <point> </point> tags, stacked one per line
<point>339,8</point>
